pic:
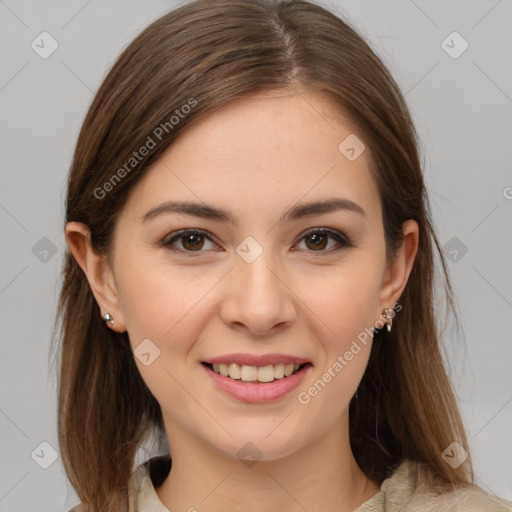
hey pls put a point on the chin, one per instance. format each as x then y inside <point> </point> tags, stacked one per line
<point>267,443</point>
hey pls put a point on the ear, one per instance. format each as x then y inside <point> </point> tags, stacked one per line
<point>98,272</point>
<point>397,273</point>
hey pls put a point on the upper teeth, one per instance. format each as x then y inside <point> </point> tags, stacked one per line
<point>252,373</point>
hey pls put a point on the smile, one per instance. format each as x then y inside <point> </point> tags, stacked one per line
<point>245,386</point>
<point>262,374</point>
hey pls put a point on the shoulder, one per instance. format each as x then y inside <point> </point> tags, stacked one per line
<point>409,488</point>
<point>141,487</point>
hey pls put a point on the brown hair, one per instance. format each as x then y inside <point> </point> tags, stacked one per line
<point>208,53</point>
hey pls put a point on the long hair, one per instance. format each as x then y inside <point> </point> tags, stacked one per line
<point>184,66</point>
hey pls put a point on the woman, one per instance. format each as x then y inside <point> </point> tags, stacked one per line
<point>251,271</point>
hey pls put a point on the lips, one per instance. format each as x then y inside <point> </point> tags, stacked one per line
<point>257,360</point>
<point>257,392</point>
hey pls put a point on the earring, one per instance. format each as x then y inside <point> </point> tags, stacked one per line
<point>108,318</point>
<point>388,314</point>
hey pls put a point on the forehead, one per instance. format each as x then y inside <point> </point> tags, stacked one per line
<point>260,155</point>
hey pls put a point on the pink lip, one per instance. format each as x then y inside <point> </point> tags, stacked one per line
<point>253,360</point>
<point>255,392</point>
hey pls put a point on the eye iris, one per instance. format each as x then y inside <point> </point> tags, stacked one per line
<point>316,236</point>
<point>186,239</point>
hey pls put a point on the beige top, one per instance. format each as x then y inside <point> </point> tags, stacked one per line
<point>406,490</point>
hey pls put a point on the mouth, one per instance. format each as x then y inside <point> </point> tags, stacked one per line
<point>257,374</point>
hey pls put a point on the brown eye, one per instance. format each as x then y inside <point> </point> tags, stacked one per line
<point>191,240</point>
<point>316,240</point>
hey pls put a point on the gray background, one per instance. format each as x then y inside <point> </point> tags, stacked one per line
<point>462,107</point>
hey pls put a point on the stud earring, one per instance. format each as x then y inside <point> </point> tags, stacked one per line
<point>388,314</point>
<point>108,318</point>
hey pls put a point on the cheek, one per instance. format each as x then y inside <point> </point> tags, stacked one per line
<point>343,303</point>
<point>157,298</point>
<point>345,335</point>
<point>326,397</point>
<point>342,309</point>
<point>162,303</point>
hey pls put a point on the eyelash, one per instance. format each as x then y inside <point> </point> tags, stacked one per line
<point>344,242</point>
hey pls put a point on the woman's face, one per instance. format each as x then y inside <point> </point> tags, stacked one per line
<point>256,284</point>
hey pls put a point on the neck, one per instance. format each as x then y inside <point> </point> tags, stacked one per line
<point>320,476</point>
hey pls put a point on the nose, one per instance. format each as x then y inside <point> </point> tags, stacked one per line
<point>257,297</point>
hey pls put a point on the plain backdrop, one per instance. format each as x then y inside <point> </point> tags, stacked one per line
<point>461,101</point>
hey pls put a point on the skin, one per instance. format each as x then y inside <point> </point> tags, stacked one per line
<point>256,157</point>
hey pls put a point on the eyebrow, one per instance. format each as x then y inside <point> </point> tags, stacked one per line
<point>296,212</point>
